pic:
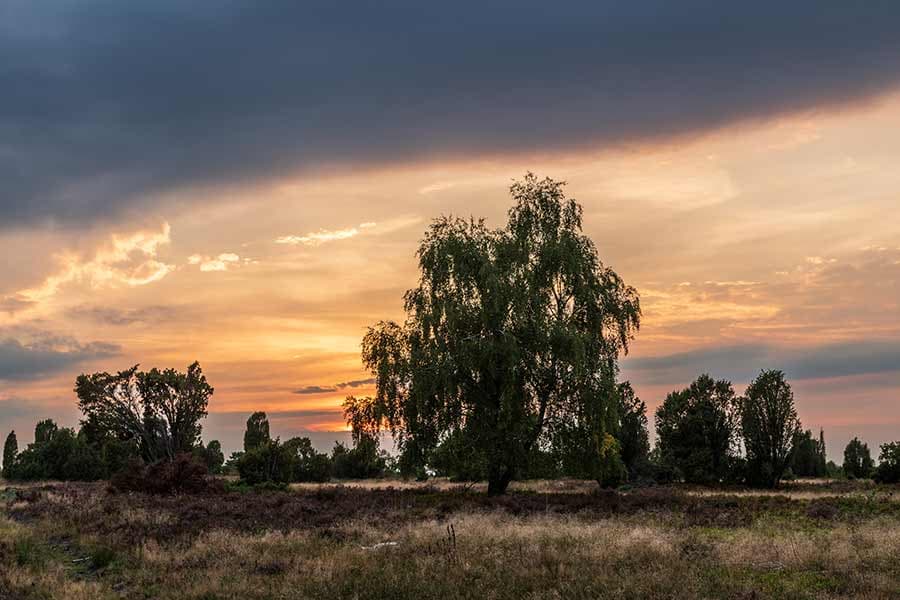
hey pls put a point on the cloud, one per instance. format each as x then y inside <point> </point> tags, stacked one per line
<point>323,236</point>
<point>330,389</point>
<point>222,262</point>
<point>125,260</point>
<point>108,315</point>
<point>47,354</point>
<point>315,389</point>
<point>14,304</point>
<point>167,95</point>
<point>743,362</point>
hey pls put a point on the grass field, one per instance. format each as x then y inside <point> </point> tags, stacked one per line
<point>408,540</point>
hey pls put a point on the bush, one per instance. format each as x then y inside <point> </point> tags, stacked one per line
<point>185,474</point>
<point>309,465</point>
<point>271,461</point>
<point>363,461</point>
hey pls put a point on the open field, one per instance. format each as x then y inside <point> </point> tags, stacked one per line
<point>409,540</point>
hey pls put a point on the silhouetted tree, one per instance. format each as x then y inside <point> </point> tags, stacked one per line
<point>44,431</point>
<point>807,455</point>
<point>505,328</point>
<point>858,462</point>
<point>60,454</point>
<point>158,410</point>
<point>768,424</point>
<point>309,465</point>
<point>270,462</point>
<point>257,432</point>
<point>10,451</point>
<point>696,430</point>
<point>363,461</point>
<point>211,455</point>
<point>631,430</point>
<point>888,470</point>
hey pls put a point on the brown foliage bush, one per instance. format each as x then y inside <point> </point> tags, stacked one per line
<point>185,474</point>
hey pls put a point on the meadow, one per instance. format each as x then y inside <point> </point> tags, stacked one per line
<point>395,539</point>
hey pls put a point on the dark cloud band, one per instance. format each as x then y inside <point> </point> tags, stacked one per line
<point>105,103</point>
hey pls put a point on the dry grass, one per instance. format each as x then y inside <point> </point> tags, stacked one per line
<point>401,546</point>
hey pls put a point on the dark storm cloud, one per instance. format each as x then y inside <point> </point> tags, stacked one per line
<point>742,363</point>
<point>47,356</point>
<point>104,101</point>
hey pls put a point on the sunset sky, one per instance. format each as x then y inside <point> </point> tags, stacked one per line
<point>245,184</point>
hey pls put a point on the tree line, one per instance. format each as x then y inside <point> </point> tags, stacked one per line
<point>506,366</point>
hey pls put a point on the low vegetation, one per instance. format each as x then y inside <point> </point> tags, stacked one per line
<point>81,540</point>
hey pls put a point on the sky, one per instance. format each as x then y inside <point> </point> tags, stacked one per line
<point>245,184</point>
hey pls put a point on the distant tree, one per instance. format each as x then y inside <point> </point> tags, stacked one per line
<point>257,432</point>
<point>211,455</point>
<point>858,462</point>
<point>309,465</point>
<point>631,429</point>
<point>505,328</point>
<point>10,451</point>
<point>363,461</point>
<point>833,471</point>
<point>888,470</point>
<point>44,431</point>
<point>696,430</point>
<point>61,455</point>
<point>270,462</point>
<point>230,466</point>
<point>807,455</point>
<point>768,424</point>
<point>160,411</point>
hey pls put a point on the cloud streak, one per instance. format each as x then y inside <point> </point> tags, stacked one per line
<point>47,355</point>
<point>330,389</point>
<point>323,236</point>
<point>166,95</point>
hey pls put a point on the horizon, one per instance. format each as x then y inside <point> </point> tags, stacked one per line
<point>255,203</point>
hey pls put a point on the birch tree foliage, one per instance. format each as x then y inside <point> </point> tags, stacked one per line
<point>508,330</point>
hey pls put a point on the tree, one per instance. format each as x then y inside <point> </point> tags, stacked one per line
<point>160,411</point>
<point>363,461</point>
<point>257,432</point>
<point>44,431</point>
<point>211,455</point>
<point>309,465</point>
<point>888,470</point>
<point>696,430</point>
<point>506,330</point>
<point>61,455</point>
<point>858,462</point>
<point>10,451</point>
<point>631,431</point>
<point>269,462</point>
<point>768,424</point>
<point>807,455</point>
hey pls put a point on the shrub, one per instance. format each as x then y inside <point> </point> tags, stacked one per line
<point>309,465</point>
<point>361,462</point>
<point>270,461</point>
<point>184,474</point>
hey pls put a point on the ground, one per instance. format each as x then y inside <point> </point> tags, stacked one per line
<point>392,539</point>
